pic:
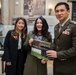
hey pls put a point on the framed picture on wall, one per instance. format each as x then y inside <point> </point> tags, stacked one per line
<point>34,7</point>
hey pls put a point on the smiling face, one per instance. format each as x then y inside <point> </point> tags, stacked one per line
<point>39,25</point>
<point>20,25</point>
<point>61,13</point>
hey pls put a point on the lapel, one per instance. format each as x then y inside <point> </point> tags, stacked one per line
<point>63,28</point>
<point>56,31</point>
<point>22,40</point>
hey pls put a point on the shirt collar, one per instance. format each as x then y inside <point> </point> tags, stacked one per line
<point>64,22</point>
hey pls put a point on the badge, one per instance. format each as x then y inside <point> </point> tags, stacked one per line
<point>66,32</point>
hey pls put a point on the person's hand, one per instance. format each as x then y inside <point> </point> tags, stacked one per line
<point>8,63</point>
<point>51,53</point>
<point>39,57</point>
<point>43,61</point>
<point>31,41</point>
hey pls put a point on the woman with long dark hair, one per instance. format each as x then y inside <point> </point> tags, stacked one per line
<point>33,65</point>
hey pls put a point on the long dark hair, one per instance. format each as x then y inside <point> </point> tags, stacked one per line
<point>45,27</point>
<point>24,30</point>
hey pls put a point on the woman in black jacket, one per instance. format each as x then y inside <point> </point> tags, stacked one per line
<point>13,52</point>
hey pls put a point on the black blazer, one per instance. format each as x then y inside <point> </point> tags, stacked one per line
<point>10,52</point>
<point>65,45</point>
<point>10,47</point>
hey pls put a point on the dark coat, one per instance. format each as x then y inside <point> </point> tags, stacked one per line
<point>65,45</point>
<point>33,65</point>
<point>10,53</point>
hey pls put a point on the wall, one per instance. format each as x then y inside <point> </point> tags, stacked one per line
<point>53,3</point>
<point>16,8</point>
<point>0,7</point>
<point>19,7</point>
<point>12,10</point>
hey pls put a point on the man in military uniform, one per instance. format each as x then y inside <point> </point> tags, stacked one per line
<point>63,49</point>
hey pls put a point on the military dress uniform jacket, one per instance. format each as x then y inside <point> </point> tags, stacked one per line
<point>65,45</point>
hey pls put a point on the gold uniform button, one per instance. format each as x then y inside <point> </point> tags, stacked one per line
<point>57,46</point>
<point>63,59</point>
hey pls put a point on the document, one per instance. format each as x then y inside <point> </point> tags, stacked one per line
<point>39,49</point>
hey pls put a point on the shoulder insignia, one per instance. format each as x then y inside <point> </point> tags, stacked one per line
<point>73,22</point>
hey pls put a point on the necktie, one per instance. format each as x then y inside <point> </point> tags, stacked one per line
<point>60,27</point>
